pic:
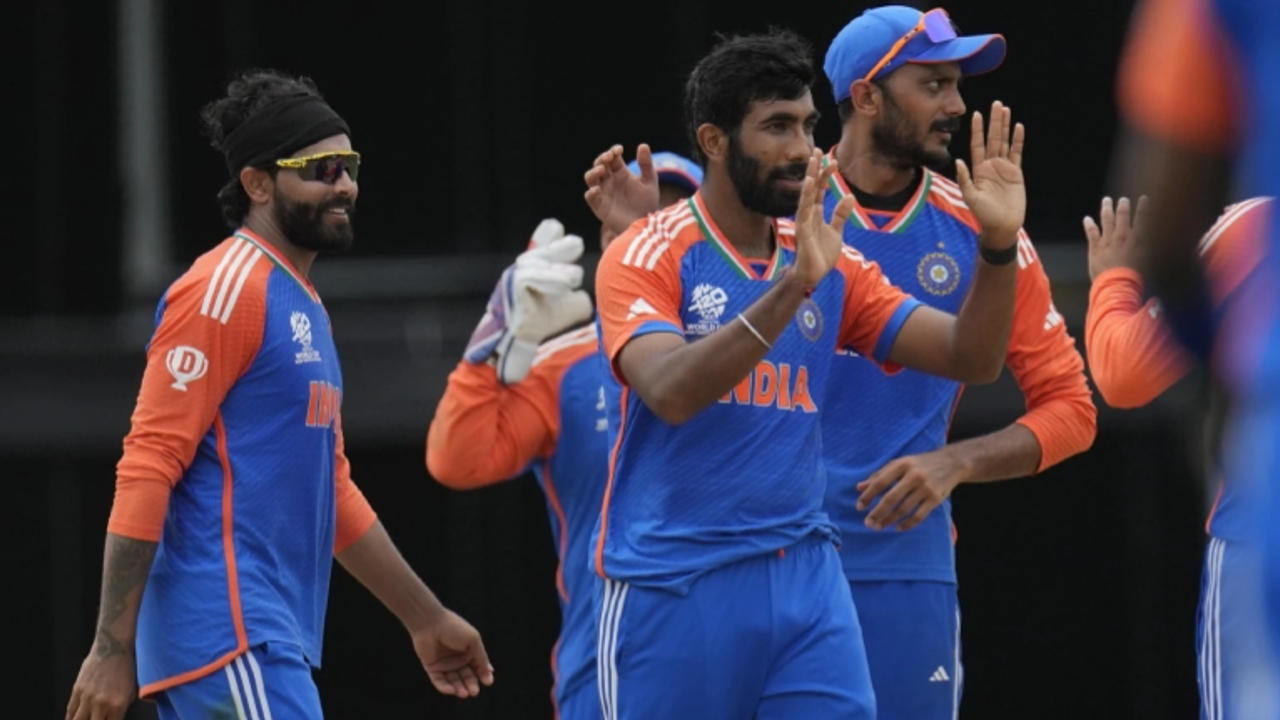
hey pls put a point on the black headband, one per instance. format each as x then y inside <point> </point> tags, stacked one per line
<point>279,129</point>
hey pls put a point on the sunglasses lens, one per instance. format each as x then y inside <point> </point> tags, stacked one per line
<point>938,26</point>
<point>329,169</point>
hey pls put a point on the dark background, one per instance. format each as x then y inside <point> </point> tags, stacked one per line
<point>476,119</point>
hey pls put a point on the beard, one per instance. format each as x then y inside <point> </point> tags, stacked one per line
<point>304,225</point>
<point>760,194</point>
<point>891,136</point>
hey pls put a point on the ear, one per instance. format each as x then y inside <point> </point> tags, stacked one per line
<point>866,97</point>
<point>713,141</point>
<point>257,184</point>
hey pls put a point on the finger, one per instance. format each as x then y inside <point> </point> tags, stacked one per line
<point>903,508</point>
<point>1091,233</point>
<point>1122,219</point>
<point>73,705</point>
<point>843,210</point>
<point>478,659</point>
<point>879,481</point>
<point>1107,215</point>
<point>615,163</point>
<point>469,680</point>
<point>644,158</point>
<point>878,517</point>
<point>807,191</point>
<point>977,152</point>
<point>595,175</point>
<point>1006,130</point>
<point>459,685</point>
<point>963,179</point>
<point>917,517</point>
<point>994,129</point>
<point>1015,149</point>
<point>825,171</point>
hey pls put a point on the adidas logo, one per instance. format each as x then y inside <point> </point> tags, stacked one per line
<point>940,675</point>
<point>640,307</point>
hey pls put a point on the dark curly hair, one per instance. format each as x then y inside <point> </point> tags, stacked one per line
<point>740,70</point>
<point>245,95</point>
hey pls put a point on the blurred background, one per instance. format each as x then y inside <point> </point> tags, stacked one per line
<point>476,119</point>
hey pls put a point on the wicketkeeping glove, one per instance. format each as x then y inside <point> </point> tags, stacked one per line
<point>538,296</point>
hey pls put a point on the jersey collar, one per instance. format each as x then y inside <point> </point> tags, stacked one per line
<point>859,216</point>
<point>712,233</point>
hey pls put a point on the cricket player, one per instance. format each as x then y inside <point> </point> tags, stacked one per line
<point>494,422</point>
<point>1133,359</point>
<point>722,592</point>
<point>896,73</point>
<point>233,495</point>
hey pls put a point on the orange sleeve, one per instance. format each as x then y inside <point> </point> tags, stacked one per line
<point>1047,367</point>
<point>355,515</point>
<point>207,337</point>
<point>638,288</point>
<point>1132,356</point>
<point>874,309</point>
<point>485,432</point>
<point>1178,79</point>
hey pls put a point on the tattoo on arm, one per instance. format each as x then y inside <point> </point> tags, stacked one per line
<point>126,564</point>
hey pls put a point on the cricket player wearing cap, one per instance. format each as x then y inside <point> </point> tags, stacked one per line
<point>513,405</point>
<point>895,73</point>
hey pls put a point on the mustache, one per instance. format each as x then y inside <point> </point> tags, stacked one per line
<point>950,125</point>
<point>794,171</point>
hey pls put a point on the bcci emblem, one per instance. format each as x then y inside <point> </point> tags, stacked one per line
<point>938,273</point>
<point>302,335</point>
<point>186,364</point>
<point>809,318</point>
<point>708,302</point>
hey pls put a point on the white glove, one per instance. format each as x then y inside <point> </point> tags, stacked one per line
<point>539,296</point>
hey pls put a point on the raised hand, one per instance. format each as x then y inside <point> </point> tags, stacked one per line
<point>616,196</point>
<point>994,190</point>
<point>818,242</point>
<point>1118,243</point>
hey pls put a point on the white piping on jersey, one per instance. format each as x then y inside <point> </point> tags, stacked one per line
<point>657,232</point>
<point>222,304</point>
<point>217,274</point>
<point>581,336</point>
<point>1233,213</point>
<point>645,238</point>
<point>235,293</point>
<point>945,187</point>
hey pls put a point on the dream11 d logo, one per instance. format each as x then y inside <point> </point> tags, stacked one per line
<point>186,364</point>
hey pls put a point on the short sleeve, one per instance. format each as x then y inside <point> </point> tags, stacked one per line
<point>638,287</point>
<point>874,309</point>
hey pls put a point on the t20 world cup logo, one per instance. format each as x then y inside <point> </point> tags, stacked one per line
<point>186,364</point>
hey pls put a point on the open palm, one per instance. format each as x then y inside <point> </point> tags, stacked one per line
<point>818,242</point>
<point>995,190</point>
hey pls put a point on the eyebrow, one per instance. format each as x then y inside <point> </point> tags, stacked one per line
<point>784,115</point>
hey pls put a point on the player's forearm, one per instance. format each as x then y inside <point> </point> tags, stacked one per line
<point>126,563</point>
<point>1011,452</point>
<point>980,335</point>
<point>682,381</point>
<point>374,561</point>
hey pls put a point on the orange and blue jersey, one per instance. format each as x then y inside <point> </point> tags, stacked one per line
<point>1133,356</point>
<point>745,475</point>
<point>1205,75</point>
<point>552,422</point>
<point>235,465</point>
<point>930,248</point>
